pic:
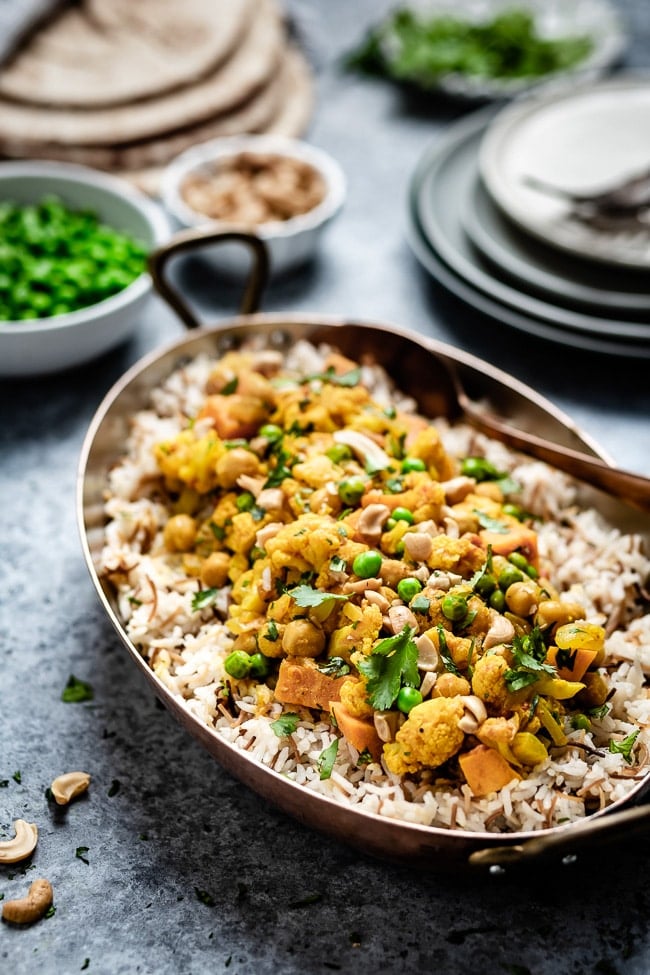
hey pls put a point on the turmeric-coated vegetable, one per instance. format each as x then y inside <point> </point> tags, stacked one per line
<point>485,770</point>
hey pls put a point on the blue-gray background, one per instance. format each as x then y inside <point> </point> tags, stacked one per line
<point>161,818</point>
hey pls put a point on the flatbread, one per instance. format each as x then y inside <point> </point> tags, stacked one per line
<point>247,71</point>
<point>112,52</point>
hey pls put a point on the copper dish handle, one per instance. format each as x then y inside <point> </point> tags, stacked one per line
<point>189,240</point>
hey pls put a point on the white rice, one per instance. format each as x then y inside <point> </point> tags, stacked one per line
<point>588,560</point>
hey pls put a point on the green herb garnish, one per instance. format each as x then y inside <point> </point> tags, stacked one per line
<point>335,667</point>
<point>327,758</point>
<point>625,746</point>
<point>285,725</point>
<point>76,691</point>
<point>306,596</point>
<point>204,897</point>
<point>529,652</point>
<point>491,524</point>
<point>80,853</point>
<point>350,378</point>
<point>392,663</point>
<point>443,650</point>
<point>203,598</point>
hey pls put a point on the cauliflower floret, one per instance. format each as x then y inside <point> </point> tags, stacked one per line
<point>489,683</point>
<point>428,737</point>
<point>354,695</point>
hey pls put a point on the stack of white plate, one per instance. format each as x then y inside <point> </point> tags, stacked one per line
<point>489,219</point>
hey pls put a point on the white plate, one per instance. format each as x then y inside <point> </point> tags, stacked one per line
<point>583,141</point>
<point>442,183</point>
<point>597,19</point>
<point>538,268</point>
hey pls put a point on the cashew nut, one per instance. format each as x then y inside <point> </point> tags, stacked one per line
<point>386,724</point>
<point>22,845</point>
<point>418,545</point>
<point>377,599</point>
<point>428,683</point>
<point>268,531</point>
<point>270,499</point>
<point>401,616</point>
<point>252,484</point>
<point>66,787</point>
<point>362,585</point>
<point>32,907</point>
<point>501,631</point>
<point>372,520</point>
<point>457,488</point>
<point>365,448</point>
<point>475,713</point>
<point>428,658</point>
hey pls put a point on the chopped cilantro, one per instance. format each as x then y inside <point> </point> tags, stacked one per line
<point>565,658</point>
<point>480,574</point>
<point>350,378</point>
<point>218,531</point>
<point>392,663</point>
<point>365,758</point>
<point>599,713</point>
<point>335,667</point>
<point>135,602</point>
<point>307,596</point>
<point>116,785</point>
<point>230,387</point>
<point>373,468</point>
<point>203,598</point>
<point>50,912</point>
<point>17,777</point>
<point>337,564</point>
<point>85,965</point>
<point>76,690</point>
<point>327,758</point>
<point>420,604</point>
<point>4,783</point>
<point>491,524</point>
<point>529,653</point>
<point>286,724</point>
<point>80,853</point>
<point>443,649</point>
<point>394,485</point>
<point>272,633</point>
<point>625,746</point>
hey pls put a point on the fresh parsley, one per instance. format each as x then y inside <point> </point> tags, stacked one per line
<point>625,746</point>
<point>327,758</point>
<point>392,664</point>
<point>285,725</point>
<point>306,596</point>
<point>76,691</point>
<point>203,598</point>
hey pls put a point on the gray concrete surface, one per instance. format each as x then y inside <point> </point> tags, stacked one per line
<point>185,870</point>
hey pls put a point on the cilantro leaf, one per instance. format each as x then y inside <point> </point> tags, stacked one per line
<point>350,378</point>
<point>337,564</point>
<point>420,604</point>
<point>286,724</point>
<point>392,663</point>
<point>335,667</point>
<point>443,650</point>
<point>327,758</point>
<point>76,691</point>
<point>306,596</point>
<point>492,524</point>
<point>625,746</point>
<point>230,387</point>
<point>529,652</point>
<point>204,897</point>
<point>203,598</point>
<point>80,853</point>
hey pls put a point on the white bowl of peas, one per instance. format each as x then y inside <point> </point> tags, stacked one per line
<point>73,264</point>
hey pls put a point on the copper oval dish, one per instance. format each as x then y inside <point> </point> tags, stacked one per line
<point>409,359</point>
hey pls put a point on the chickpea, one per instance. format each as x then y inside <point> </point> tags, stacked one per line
<point>269,639</point>
<point>214,571</point>
<point>180,533</point>
<point>450,685</point>
<point>303,639</point>
<point>555,611</point>
<point>522,598</point>
<point>234,463</point>
<point>595,692</point>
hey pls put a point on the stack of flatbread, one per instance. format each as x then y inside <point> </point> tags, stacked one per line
<point>125,85</point>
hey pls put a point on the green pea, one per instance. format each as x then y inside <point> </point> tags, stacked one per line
<point>408,698</point>
<point>390,524</point>
<point>454,607</point>
<point>399,548</point>
<point>338,452</point>
<point>532,572</point>
<point>508,576</point>
<point>407,589</point>
<point>271,432</point>
<point>485,585</point>
<point>351,489</point>
<point>413,464</point>
<point>497,600</point>
<point>237,664</point>
<point>519,560</point>
<point>580,722</point>
<point>259,665</point>
<point>245,501</point>
<point>403,514</point>
<point>367,564</point>
<point>480,469</point>
<point>514,510</point>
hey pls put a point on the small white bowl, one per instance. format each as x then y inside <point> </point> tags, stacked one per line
<point>290,242</point>
<point>45,345</point>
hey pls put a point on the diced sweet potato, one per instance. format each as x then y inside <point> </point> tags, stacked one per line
<point>579,661</point>
<point>360,732</point>
<point>486,770</point>
<point>301,682</point>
